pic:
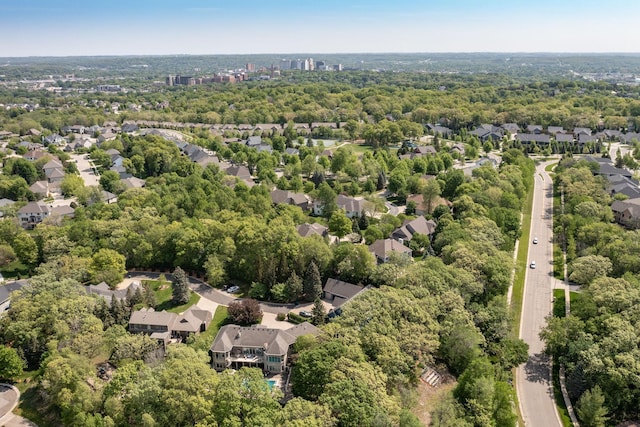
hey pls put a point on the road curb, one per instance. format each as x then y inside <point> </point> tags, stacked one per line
<point>6,416</point>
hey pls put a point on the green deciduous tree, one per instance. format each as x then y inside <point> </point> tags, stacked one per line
<point>11,364</point>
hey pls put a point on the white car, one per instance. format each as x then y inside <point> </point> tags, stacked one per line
<point>533,264</point>
<point>233,289</point>
<point>535,240</point>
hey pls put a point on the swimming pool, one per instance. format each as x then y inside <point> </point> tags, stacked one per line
<point>272,384</point>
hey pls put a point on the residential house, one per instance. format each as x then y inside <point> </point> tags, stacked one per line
<point>307,229</point>
<point>256,346</point>
<point>487,132</point>
<point>420,225</point>
<point>108,197</point>
<point>32,214</point>
<point>382,249</point>
<point>534,138</point>
<point>133,182</point>
<point>5,293</point>
<point>34,132</point>
<point>577,131</point>
<point>54,175</point>
<point>62,211</point>
<point>5,203</point>
<point>512,128</point>
<point>109,135</point>
<point>129,128</point>
<point>165,326</point>
<point>457,148</point>
<point>627,212</point>
<point>290,198</point>
<point>440,130</point>
<point>254,141</point>
<point>339,292</point>
<point>40,188</point>
<point>53,139</point>
<point>292,151</point>
<point>352,207</point>
<point>104,291</point>
<point>534,129</point>
<point>564,137</point>
<point>555,130</point>
<point>34,155</point>
<point>421,208</point>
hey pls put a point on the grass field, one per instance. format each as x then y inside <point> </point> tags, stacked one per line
<point>162,290</point>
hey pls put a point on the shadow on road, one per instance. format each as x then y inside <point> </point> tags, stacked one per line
<point>538,368</point>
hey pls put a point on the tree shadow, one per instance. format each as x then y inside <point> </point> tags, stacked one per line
<point>537,368</point>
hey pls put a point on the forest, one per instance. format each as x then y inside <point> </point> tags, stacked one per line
<point>444,308</point>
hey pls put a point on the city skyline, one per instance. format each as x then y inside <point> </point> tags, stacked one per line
<point>161,27</point>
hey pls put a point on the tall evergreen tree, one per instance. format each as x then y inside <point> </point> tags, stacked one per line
<point>180,287</point>
<point>312,284</point>
<point>318,312</point>
<point>294,287</point>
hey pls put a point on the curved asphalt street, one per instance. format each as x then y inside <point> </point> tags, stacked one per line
<point>533,379</point>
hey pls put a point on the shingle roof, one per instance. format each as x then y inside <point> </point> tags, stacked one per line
<point>273,341</point>
<point>148,316</point>
<point>342,289</point>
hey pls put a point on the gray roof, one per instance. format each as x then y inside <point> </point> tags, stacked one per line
<point>306,229</point>
<point>342,289</point>
<point>418,225</point>
<point>34,207</point>
<point>382,248</point>
<point>564,137</point>
<point>7,289</point>
<point>273,341</point>
<point>533,137</point>
<point>103,290</point>
<point>349,204</point>
<point>148,316</point>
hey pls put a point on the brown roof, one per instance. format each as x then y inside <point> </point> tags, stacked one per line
<point>383,248</point>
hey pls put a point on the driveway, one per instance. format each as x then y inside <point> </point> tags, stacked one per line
<point>85,167</point>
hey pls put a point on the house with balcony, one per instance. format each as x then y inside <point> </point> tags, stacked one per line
<point>256,346</point>
<point>32,214</point>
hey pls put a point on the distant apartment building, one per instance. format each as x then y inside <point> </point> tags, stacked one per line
<point>251,67</point>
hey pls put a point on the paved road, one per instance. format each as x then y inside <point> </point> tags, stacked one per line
<point>535,390</point>
<point>86,171</point>
<point>218,296</point>
<point>9,397</point>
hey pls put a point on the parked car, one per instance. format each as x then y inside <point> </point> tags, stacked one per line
<point>535,240</point>
<point>306,314</point>
<point>533,264</point>
<point>233,289</point>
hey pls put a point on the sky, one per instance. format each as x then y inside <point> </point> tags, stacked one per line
<point>159,27</point>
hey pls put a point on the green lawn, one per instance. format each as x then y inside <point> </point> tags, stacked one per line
<point>162,290</point>
<point>550,167</point>
<point>205,339</point>
<point>559,304</point>
<point>15,270</point>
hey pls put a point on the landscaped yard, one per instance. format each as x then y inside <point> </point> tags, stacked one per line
<point>205,339</point>
<point>162,290</point>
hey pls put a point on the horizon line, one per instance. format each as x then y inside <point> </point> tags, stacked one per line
<point>331,53</point>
